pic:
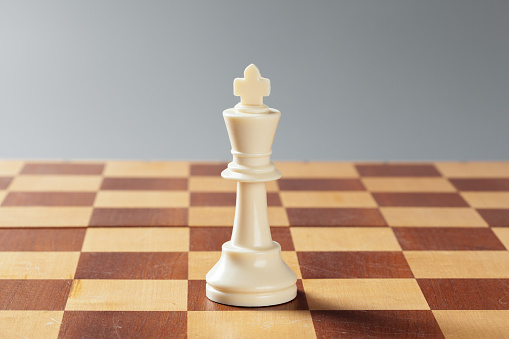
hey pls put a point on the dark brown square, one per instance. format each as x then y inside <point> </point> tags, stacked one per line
<point>466,294</point>
<point>226,199</point>
<point>213,238</point>
<point>345,265</point>
<point>481,184</point>
<point>447,239</point>
<point>420,199</point>
<point>375,324</point>
<point>397,170</point>
<point>495,217</point>
<point>198,301</point>
<point>120,324</point>
<point>139,217</point>
<point>155,184</point>
<point>63,168</point>
<point>5,182</point>
<point>50,295</point>
<point>335,217</point>
<point>208,169</point>
<point>42,239</point>
<point>132,265</point>
<point>320,185</point>
<point>49,199</point>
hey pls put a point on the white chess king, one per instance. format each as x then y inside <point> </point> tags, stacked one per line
<point>251,271</point>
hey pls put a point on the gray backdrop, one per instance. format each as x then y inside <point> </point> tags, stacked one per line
<point>354,80</point>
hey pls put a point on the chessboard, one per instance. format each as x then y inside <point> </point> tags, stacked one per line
<point>120,249</point>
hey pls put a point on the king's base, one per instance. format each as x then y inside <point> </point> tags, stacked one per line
<point>252,299</point>
<point>251,278</point>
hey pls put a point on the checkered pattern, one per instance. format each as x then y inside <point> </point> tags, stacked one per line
<point>121,249</point>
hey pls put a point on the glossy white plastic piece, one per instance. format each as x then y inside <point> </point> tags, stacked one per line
<point>251,271</point>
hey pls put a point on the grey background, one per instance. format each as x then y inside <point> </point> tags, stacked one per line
<point>354,80</point>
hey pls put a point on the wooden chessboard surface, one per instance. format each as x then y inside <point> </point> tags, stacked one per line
<point>120,250</point>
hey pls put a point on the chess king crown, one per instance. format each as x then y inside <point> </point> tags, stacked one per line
<point>251,128</point>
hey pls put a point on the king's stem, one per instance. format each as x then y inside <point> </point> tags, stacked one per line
<point>251,228</point>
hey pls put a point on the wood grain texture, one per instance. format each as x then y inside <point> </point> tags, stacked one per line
<point>123,324</point>
<point>466,294</point>
<point>335,217</point>
<point>139,217</point>
<point>38,265</point>
<point>127,295</point>
<point>49,199</point>
<point>473,323</point>
<point>320,185</point>
<point>136,239</point>
<point>397,170</point>
<point>459,264</point>
<point>250,324</point>
<point>364,294</point>
<point>495,217</point>
<point>41,239</point>
<point>432,217</point>
<point>447,239</point>
<point>44,216</point>
<point>376,324</point>
<point>30,324</point>
<point>480,185</point>
<point>155,184</point>
<point>306,199</point>
<point>131,265</point>
<point>420,199</point>
<point>44,295</point>
<point>344,239</point>
<point>346,265</point>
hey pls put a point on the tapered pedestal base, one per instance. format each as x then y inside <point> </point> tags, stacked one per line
<point>250,278</point>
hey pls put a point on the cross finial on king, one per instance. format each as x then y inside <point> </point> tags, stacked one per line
<point>252,88</point>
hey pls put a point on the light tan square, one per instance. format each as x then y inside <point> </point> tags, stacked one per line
<point>3,194</point>
<point>45,216</point>
<point>211,216</point>
<point>30,324</point>
<point>473,324</point>
<point>146,169</point>
<point>10,167</point>
<point>137,239</point>
<point>317,169</point>
<point>419,185</point>
<point>487,199</point>
<point>364,294</point>
<point>140,199</point>
<point>218,184</point>
<point>201,262</point>
<point>250,324</point>
<point>344,239</point>
<point>38,265</point>
<point>474,169</point>
<point>502,234</point>
<point>432,217</point>
<point>223,216</point>
<point>56,183</point>
<point>127,295</point>
<point>458,264</point>
<point>326,199</point>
